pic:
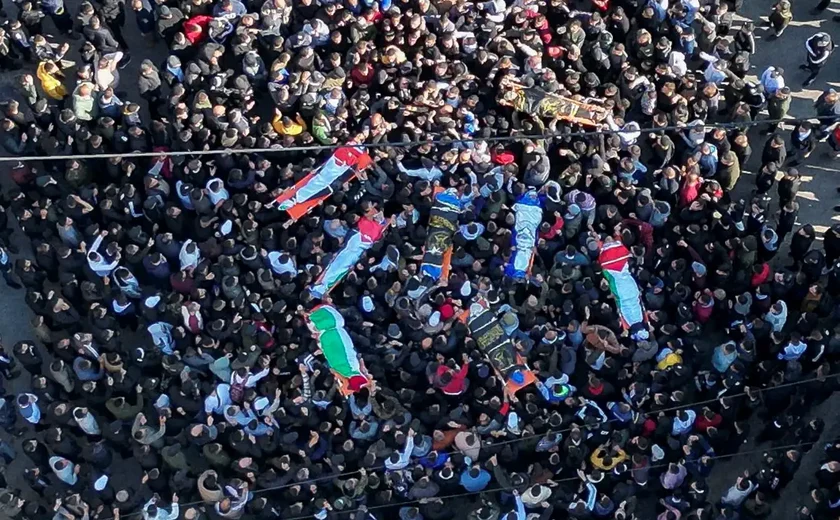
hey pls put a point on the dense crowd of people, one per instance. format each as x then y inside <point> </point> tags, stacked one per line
<point>170,294</point>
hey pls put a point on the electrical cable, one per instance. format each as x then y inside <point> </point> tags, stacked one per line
<point>403,144</point>
<point>570,479</point>
<point>516,440</point>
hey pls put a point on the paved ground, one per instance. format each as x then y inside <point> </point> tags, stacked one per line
<point>816,198</point>
<point>821,176</point>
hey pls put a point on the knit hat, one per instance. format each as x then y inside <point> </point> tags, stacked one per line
<point>394,331</point>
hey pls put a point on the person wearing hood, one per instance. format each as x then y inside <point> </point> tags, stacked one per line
<point>210,488</point>
<point>818,49</point>
<point>52,80</point>
<point>65,470</point>
<point>802,143</point>
<point>474,479</point>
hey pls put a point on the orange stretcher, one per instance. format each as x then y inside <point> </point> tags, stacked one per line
<point>437,251</point>
<point>493,341</point>
<point>310,192</point>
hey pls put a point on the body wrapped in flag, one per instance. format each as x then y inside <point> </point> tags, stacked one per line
<point>437,252</point>
<point>343,166</point>
<point>614,260</point>
<point>327,325</point>
<point>536,102</point>
<point>529,216</point>
<point>369,231</point>
<point>493,341</point>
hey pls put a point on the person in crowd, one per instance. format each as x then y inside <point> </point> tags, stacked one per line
<point>418,166</point>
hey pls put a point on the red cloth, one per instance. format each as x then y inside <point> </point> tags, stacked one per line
<point>195,327</point>
<point>555,51</point>
<point>458,383</point>
<point>645,233</point>
<point>504,409</point>
<point>763,276</point>
<point>166,169</point>
<point>356,383</point>
<point>502,157</point>
<point>195,29</point>
<point>179,286</point>
<point>701,313</point>
<point>648,427</point>
<point>371,229</point>
<point>446,311</point>
<point>361,77</point>
<point>689,192</point>
<point>546,34</point>
<point>702,424</point>
<point>373,16</point>
<point>264,327</point>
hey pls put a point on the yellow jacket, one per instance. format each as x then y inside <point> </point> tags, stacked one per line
<point>598,456</point>
<point>670,359</point>
<point>52,85</point>
<point>297,127</point>
<point>398,59</point>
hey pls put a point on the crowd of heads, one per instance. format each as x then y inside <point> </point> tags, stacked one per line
<point>170,293</point>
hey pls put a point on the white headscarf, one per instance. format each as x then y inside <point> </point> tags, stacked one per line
<point>676,61</point>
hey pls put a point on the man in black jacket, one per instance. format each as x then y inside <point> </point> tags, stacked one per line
<point>819,47</point>
<point>100,37</point>
<point>113,14</point>
<point>148,84</point>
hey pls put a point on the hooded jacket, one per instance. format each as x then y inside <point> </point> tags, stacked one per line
<point>53,84</point>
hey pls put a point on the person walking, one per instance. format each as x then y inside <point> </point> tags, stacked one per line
<point>819,47</point>
<point>780,17</point>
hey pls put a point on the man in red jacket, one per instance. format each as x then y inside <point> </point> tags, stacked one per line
<point>449,381</point>
<point>707,420</point>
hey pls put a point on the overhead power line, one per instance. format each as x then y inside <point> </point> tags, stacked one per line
<point>410,144</point>
<point>526,438</point>
<point>569,479</point>
<point>500,489</point>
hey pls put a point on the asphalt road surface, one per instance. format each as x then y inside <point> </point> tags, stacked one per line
<point>821,177</point>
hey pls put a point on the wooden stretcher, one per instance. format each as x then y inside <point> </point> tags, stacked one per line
<point>539,103</point>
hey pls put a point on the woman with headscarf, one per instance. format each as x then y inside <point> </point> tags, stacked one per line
<point>677,64</point>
